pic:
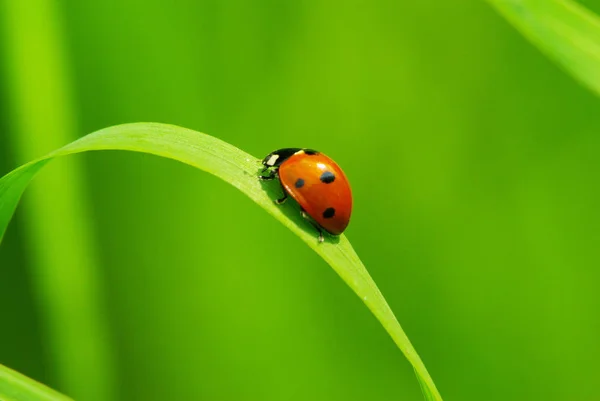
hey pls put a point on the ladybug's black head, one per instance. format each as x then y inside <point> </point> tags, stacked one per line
<point>275,158</point>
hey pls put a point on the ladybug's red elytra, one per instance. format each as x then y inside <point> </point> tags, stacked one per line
<point>316,182</point>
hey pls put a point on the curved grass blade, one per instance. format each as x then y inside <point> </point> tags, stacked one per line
<point>41,116</point>
<point>240,170</point>
<point>16,387</point>
<point>565,31</point>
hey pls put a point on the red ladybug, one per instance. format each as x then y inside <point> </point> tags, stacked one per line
<point>316,182</point>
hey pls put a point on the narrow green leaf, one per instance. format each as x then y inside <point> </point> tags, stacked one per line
<point>16,387</point>
<point>240,170</point>
<point>565,31</point>
<point>40,116</point>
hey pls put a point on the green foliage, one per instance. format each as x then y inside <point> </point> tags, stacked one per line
<point>240,170</point>
<point>16,387</point>
<point>481,227</point>
<point>564,30</point>
<point>65,275</point>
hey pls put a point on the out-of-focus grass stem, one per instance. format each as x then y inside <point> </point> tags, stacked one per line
<point>59,239</point>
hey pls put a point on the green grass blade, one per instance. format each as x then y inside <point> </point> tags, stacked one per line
<point>565,31</point>
<point>41,117</point>
<point>16,387</point>
<point>240,170</point>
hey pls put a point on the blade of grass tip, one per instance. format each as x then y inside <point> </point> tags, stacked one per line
<point>564,30</point>
<point>16,387</point>
<point>65,273</point>
<point>240,170</point>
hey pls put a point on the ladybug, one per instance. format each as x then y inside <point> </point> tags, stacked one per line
<point>316,182</point>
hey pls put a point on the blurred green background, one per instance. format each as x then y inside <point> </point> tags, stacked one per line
<point>473,161</point>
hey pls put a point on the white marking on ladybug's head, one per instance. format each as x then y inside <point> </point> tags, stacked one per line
<point>272,160</point>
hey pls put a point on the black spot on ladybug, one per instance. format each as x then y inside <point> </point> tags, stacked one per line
<point>299,183</point>
<point>329,213</point>
<point>327,177</point>
<point>310,152</point>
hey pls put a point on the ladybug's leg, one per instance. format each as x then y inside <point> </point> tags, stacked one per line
<point>272,175</point>
<point>307,217</point>
<point>284,198</point>
<point>281,200</point>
